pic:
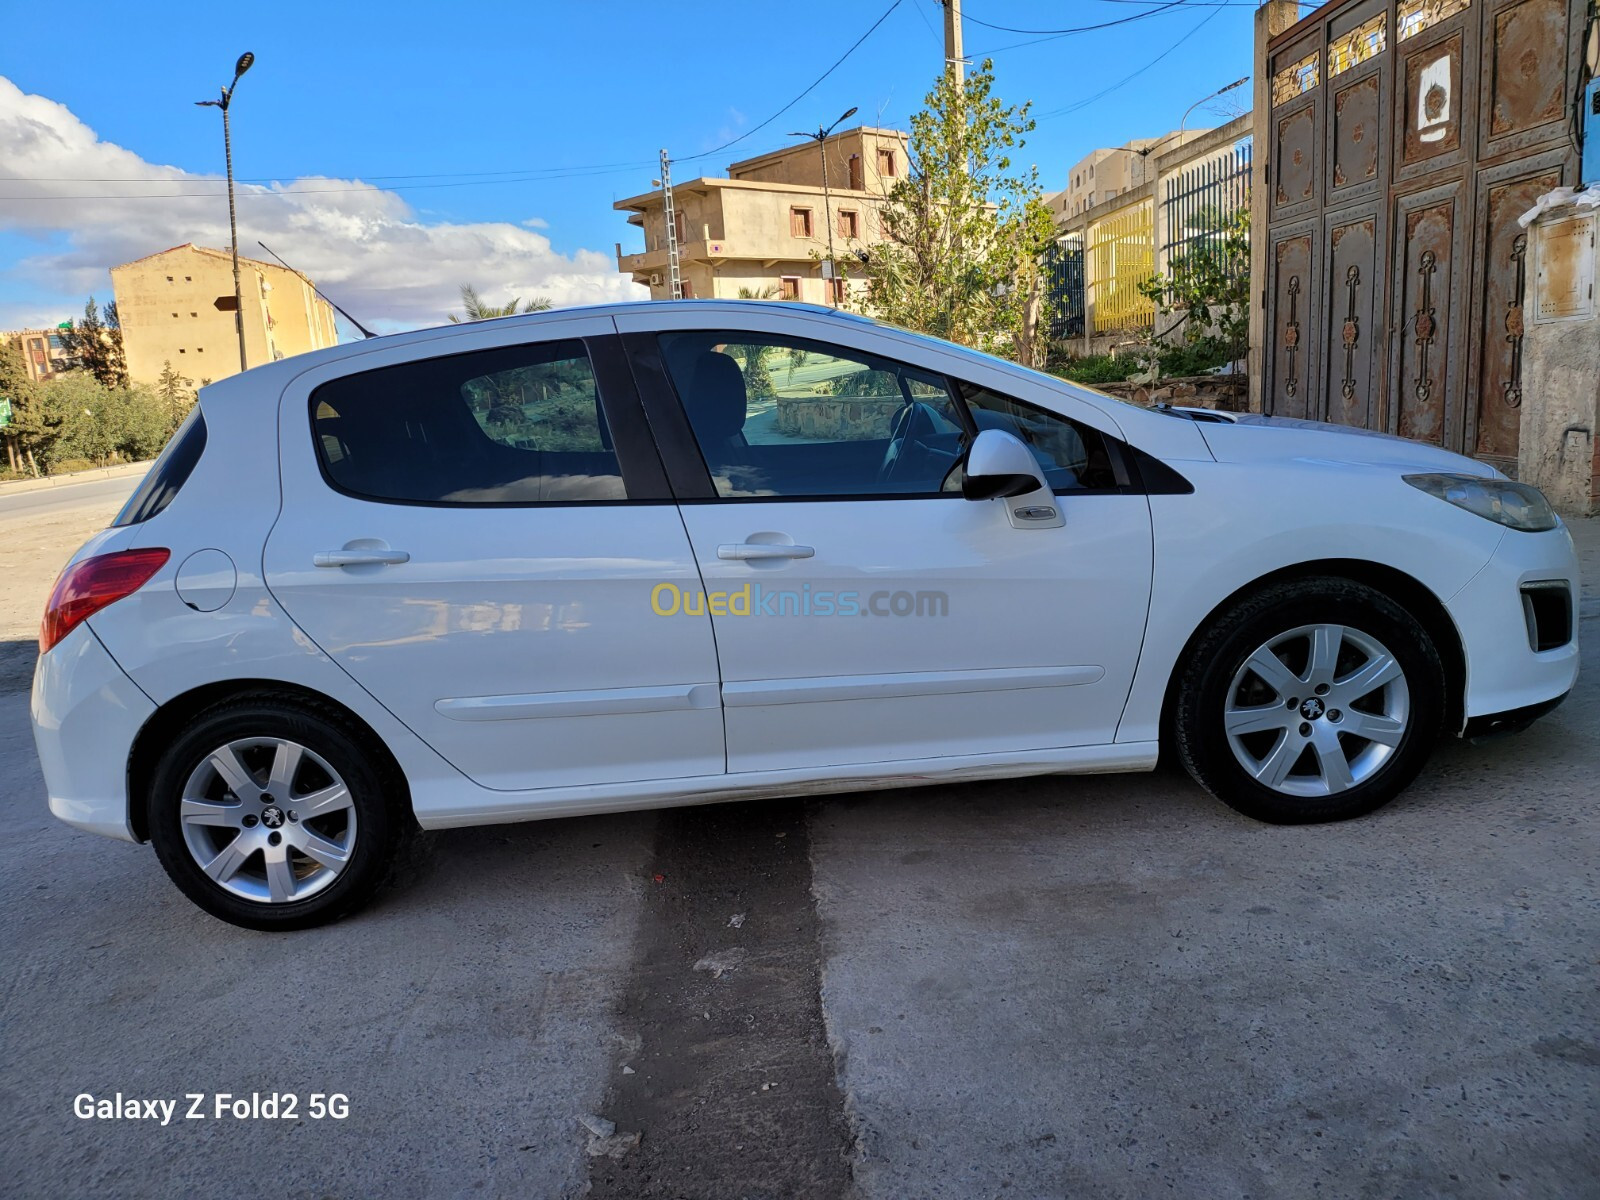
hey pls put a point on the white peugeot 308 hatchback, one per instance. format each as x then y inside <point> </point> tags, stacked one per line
<point>611,558</point>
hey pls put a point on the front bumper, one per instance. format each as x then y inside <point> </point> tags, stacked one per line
<point>1505,673</point>
<point>86,714</point>
<point>1494,724</point>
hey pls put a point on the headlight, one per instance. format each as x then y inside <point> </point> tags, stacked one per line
<point>1515,505</point>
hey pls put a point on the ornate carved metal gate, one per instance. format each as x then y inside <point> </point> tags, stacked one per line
<point>1405,137</point>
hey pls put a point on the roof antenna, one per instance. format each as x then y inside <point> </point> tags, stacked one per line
<point>365,332</point>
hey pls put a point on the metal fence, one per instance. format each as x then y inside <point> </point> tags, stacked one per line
<point>1064,275</point>
<point>1199,205</point>
<point>1121,258</point>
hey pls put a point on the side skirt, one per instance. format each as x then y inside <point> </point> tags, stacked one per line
<point>438,807</point>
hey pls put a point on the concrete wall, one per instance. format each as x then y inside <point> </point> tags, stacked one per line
<point>167,304</point>
<point>1559,451</point>
<point>802,163</point>
<point>1193,149</point>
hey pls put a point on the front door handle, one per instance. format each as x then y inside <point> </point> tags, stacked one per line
<point>755,551</point>
<point>360,558</point>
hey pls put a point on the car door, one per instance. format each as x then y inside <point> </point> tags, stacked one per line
<point>864,611</point>
<point>462,532</point>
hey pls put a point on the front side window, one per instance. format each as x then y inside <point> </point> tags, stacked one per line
<point>1073,457</point>
<point>517,425</point>
<point>777,416</point>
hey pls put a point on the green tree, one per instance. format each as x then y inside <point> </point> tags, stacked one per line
<point>1206,290</point>
<point>95,344</point>
<point>18,388</point>
<point>966,226</point>
<point>477,309</point>
<point>176,393</point>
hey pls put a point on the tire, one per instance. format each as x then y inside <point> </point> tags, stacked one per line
<point>1322,641</point>
<point>285,801</point>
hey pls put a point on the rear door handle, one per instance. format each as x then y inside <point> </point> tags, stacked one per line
<point>749,551</point>
<point>360,558</point>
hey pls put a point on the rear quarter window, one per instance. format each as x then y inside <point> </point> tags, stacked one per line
<point>168,473</point>
<point>516,425</point>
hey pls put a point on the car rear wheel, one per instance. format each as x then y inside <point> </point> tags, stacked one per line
<point>1313,700</point>
<point>271,814</point>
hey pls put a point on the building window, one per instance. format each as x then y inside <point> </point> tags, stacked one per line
<point>837,287</point>
<point>169,278</point>
<point>789,287</point>
<point>855,173</point>
<point>886,162</point>
<point>188,279</point>
<point>687,288</point>
<point>849,224</point>
<point>800,222</point>
<point>181,350</point>
<point>681,224</point>
<point>174,314</point>
<point>194,314</point>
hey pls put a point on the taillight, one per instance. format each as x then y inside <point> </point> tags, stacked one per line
<point>88,586</point>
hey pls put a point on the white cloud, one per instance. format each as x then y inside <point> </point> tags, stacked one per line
<point>536,223</point>
<point>364,246</point>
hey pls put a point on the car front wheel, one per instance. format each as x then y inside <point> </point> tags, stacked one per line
<point>1313,700</point>
<point>272,814</point>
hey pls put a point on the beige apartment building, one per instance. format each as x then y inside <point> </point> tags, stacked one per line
<point>168,306</point>
<point>41,350</point>
<point>1110,171</point>
<point>764,228</point>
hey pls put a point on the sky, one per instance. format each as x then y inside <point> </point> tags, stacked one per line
<point>395,151</point>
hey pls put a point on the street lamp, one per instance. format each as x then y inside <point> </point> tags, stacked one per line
<point>239,68</point>
<point>821,136</point>
<point>1240,82</point>
<point>1145,151</point>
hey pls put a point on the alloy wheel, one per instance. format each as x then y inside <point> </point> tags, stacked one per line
<point>268,820</point>
<point>1317,710</point>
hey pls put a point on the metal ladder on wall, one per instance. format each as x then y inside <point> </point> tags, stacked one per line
<point>674,278</point>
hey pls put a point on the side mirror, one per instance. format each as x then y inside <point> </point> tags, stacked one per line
<point>1001,467</point>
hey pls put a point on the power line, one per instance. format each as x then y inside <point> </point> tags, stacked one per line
<point>809,89</point>
<point>1127,79</point>
<point>532,175</point>
<point>312,191</point>
<point>1170,4</point>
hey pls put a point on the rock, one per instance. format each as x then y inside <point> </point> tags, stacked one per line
<point>627,1070</point>
<point>736,921</point>
<point>614,1146</point>
<point>721,963</point>
<point>598,1126</point>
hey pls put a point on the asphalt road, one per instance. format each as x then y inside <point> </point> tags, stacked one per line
<point>40,501</point>
<point>1087,987</point>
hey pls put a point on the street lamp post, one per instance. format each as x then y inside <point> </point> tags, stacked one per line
<point>821,136</point>
<point>1240,82</point>
<point>1146,151</point>
<point>224,103</point>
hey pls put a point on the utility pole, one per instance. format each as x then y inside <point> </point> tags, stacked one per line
<point>673,275</point>
<point>953,59</point>
<point>226,102</point>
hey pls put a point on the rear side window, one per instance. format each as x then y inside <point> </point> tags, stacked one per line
<point>168,473</point>
<point>516,425</point>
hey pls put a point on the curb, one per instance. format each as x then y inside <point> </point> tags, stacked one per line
<point>10,487</point>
